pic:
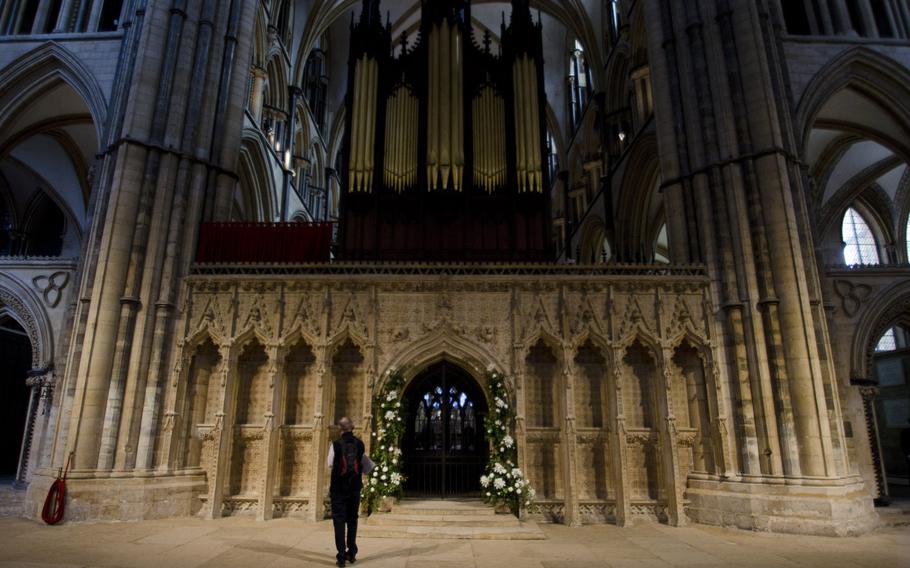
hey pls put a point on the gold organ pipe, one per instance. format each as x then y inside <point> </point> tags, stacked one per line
<point>458,118</point>
<point>400,102</point>
<point>392,150</point>
<point>534,125</point>
<point>481,142</point>
<point>445,108</point>
<point>500,137</point>
<point>517,86</point>
<point>433,109</point>
<point>486,143</point>
<point>355,125</point>
<point>371,138</point>
<point>401,136</point>
<point>399,144</point>
<point>529,164</point>
<point>414,117</point>
<point>389,165</point>
<point>362,129</point>
<point>527,126</point>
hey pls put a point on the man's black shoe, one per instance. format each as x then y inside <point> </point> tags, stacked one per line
<point>351,558</point>
<point>340,563</point>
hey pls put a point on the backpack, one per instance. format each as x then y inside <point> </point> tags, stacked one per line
<point>350,461</point>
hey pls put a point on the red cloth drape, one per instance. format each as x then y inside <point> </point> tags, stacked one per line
<point>264,242</point>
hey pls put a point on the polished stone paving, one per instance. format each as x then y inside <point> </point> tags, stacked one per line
<point>243,542</point>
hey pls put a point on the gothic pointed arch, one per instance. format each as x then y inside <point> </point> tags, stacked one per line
<point>876,76</point>
<point>438,346</point>
<point>639,202</point>
<point>887,308</point>
<point>33,73</point>
<point>256,196</point>
<point>20,303</point>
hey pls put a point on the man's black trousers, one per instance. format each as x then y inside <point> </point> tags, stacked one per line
<point>344,513</point>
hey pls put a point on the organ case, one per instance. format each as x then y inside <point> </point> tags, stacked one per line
<point>445,143</point>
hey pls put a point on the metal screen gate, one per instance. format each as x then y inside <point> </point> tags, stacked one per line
<point>444,449</point>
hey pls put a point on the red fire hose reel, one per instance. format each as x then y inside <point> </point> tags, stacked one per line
<point>54,503</point>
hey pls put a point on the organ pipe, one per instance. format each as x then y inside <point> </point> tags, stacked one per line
<point>401,140</point>
<point>363,124</point>
<point>445,108</point>
<point>527,126</point>
<point>489,140</point>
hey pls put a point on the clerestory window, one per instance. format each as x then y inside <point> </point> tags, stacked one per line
<point>579,83</point>
<point>859,241</point>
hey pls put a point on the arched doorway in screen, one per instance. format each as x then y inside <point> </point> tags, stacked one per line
<point>16,355</point>
<point>444,449</point>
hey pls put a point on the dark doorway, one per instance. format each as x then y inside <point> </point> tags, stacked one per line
<point>16,355</point>
<point>892,408</point>
<point>444,447</point>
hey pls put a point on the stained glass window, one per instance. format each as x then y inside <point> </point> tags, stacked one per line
<point>661,246</point>
<point>859,242</point>
<point>887,342</point>
<point>893,339</point>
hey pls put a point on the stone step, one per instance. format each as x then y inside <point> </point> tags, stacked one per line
<point>525,531</point>
<point>448,519</point>
<point>12,501</point>
<point>471,507</point>
<point>893,516</point>
<point>397,518</point>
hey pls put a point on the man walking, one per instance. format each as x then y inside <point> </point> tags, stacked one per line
<point>348,461</point>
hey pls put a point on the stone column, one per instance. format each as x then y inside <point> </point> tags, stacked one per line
<point>618,444</point>
<point>841,17</point>
<point>676,516</point>
<point>66,15</point>
<point>868,391</point>
<point>570,440</point>
<point>902,13</point>
<point>178,423</point>
<point>223,432</point>
<point>185,210</point>
<point>37,422</point>
<point>5,14</point>
<point>94,18</point>
<point>41,16</point>
<point>34,383</point>
<point>870,29</point>
<point>319,450</point>
<point>156,185</point>
<point>17,16</point>
<point>274,417</point>
<point>256,98</point>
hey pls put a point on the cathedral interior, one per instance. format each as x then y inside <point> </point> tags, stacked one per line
<point>680,229</point>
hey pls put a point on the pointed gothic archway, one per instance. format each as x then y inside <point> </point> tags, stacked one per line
<point>444,448</point>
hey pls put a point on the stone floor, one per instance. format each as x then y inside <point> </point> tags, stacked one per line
<point>285,543</point>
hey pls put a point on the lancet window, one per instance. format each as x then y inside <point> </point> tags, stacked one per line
<point>859,241</point>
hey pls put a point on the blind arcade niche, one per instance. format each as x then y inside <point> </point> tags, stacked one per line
<point>445,147</point>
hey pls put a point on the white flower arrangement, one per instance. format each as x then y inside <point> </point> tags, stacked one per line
<point>386,479</point>
<point>503,482</point>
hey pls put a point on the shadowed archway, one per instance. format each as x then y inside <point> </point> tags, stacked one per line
<point>444,447</point>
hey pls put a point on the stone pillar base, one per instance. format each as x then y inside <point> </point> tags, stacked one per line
<point>838,508</point>
<point>120,498</point>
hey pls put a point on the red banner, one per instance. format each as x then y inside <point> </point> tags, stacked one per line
<point>286,243</point>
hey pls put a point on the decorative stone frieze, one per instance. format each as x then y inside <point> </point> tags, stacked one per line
<point>336,329</point>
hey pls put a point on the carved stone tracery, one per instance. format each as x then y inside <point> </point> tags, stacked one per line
<point>356,329</point>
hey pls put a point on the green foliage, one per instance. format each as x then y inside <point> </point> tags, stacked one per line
<point>386,479</point>
<point>503,481</point>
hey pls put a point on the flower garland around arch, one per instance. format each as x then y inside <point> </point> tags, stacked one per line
<point>503,483</point>
<point>386,479</point>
